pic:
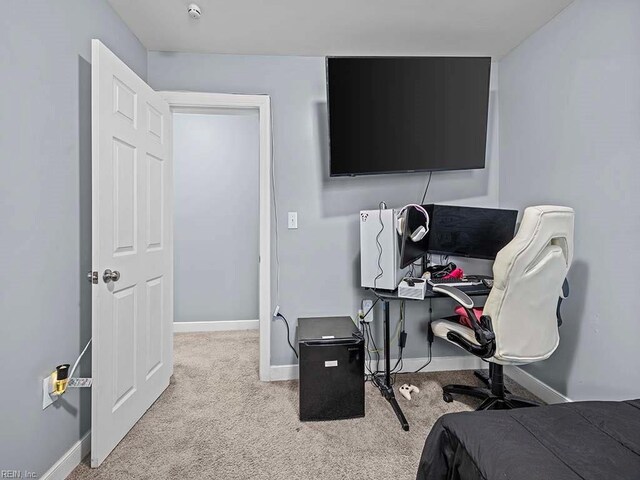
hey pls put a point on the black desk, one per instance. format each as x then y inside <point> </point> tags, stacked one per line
<point>386,389</point>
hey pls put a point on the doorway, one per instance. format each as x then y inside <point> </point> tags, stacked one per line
<point>216,220</point>
<point>190,110</point>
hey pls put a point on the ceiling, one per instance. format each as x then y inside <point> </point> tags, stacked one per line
<point>338,27</point>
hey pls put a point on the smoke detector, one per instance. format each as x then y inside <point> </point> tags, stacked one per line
<point>194,11</point>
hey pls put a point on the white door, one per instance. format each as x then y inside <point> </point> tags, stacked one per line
<point>132,309</point>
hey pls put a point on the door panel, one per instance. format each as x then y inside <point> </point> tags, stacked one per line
<point>132,316</point>
<point>125,197</point>
<point>155,193</point>
<point>124,334</point>
<point>154,325</point>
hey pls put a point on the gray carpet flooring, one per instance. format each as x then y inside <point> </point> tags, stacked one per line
<point>216,420</point>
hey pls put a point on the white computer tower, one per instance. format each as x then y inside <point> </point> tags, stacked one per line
<point>379,224</point>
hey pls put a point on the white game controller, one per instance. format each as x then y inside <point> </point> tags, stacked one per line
<point>406,390</point>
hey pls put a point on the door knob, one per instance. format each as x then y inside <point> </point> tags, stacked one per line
<point>109,276</point>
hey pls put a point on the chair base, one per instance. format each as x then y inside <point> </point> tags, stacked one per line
<point>494,396</point>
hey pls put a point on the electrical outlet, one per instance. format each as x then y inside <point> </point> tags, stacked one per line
<point>47,390</point>
<point>276,311</point>
<point>292,221</point>
<point>367,306</point>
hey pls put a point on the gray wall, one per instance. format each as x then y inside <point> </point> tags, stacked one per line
<point>570,134</point>
<point>45,210</point>
<point>216,233</point>
<point>320,261</point>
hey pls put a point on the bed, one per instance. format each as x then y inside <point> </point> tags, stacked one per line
<point>570,441</point>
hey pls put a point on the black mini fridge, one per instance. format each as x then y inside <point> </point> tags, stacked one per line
<point>331,363</point>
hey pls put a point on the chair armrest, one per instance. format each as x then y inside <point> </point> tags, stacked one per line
<point>462,298</point>
<point>483,351</point>
<point>483,332</point>
<point>455,293</point>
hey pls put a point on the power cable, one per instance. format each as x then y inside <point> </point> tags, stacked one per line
<point>426,189</point>
<point>279,315</point>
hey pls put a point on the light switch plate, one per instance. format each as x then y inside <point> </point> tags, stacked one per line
<point>292,220</point>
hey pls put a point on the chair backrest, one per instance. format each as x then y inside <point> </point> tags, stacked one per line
<point>528,275</point>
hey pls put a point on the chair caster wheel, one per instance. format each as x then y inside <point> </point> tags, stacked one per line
<point>447,397</point>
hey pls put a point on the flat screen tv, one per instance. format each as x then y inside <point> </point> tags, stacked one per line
<point>407,114</point>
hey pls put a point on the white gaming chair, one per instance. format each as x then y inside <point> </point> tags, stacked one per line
<point>519,322</point>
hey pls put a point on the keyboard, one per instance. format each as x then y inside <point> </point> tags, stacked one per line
<point>453,282</point>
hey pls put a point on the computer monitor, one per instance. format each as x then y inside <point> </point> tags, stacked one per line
<point>469,231</point>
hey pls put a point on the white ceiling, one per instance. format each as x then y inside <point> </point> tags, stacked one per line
<point>338,27</point>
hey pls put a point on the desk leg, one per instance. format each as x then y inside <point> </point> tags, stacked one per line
<point>387,345</point>
<point>386,388</point>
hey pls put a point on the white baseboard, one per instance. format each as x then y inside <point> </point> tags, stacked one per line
<point>540,389</point>
<point>283,372</point>
<point>438,364</point>
<point>219,326</point>
<point>70,460</point>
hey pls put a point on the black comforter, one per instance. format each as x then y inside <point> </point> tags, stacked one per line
<point>571,441</point>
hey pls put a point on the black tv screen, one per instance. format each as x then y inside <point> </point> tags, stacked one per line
<point>407,114</point>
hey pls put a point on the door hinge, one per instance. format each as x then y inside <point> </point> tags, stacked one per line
<point>92,277</point>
